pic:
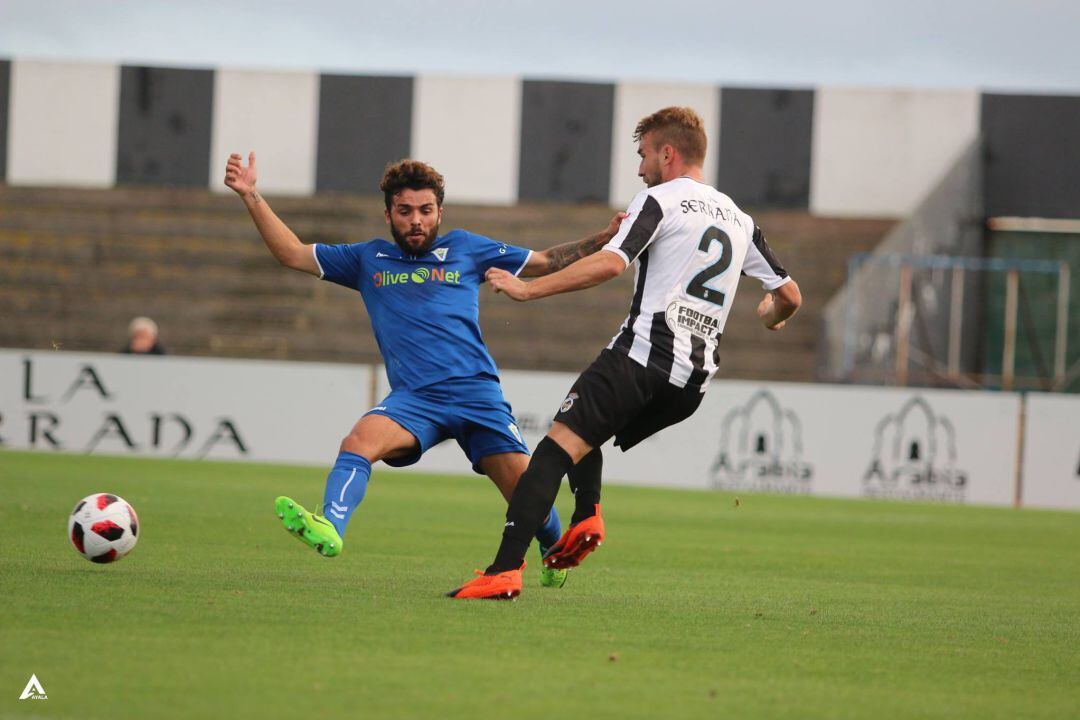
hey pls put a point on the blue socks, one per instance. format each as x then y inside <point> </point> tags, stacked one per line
<point>550,532</point>
<point>345,488</point>
<point>347,483</point>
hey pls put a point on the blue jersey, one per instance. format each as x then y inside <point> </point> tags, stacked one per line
<point>424,309</point>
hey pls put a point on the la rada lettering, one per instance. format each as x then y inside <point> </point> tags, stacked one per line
<point>173,433</point>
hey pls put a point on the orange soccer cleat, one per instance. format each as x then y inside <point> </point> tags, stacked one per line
<point>578,541</point>
<point>503,586</point>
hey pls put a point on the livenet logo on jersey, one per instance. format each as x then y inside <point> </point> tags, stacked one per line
<point>419,276</point>
<point>761,449</point>
<point>915,456</point>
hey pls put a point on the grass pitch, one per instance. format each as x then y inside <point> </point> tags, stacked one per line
<point>780,607</point>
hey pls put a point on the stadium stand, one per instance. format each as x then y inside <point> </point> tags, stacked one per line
<point>110,208</point>
<point>76,265</point>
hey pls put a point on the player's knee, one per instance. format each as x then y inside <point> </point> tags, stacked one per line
<point>569,441</point>
<point>356,444</point>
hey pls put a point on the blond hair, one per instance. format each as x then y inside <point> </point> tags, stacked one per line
<point>679,127</point>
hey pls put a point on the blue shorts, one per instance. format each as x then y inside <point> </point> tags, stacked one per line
<point>473,411</point>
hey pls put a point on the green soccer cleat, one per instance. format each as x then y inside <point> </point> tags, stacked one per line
<point>313,530</point>
<point>551,577</point>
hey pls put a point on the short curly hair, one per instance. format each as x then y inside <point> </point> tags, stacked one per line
<point>679,127</point>
<point>411,175</point>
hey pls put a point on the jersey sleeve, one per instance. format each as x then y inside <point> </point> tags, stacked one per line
<point>488,253</point>
<point>761,262</point>
<point>638,229</point>
<point>341,264</point>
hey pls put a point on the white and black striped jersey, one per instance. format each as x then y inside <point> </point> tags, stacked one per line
<point>691,244</point>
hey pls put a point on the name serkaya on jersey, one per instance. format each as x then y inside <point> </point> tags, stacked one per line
<point>691,244</point>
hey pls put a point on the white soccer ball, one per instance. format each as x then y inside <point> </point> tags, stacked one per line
<point>103,527</point>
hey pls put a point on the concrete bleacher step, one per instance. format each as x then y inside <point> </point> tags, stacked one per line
<point>76,265</point>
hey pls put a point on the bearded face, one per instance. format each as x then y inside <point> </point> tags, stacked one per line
<point>414,218</point>
<point>651,169</point>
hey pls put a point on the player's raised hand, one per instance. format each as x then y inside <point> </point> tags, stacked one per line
<point>241,179</point>
<point>507,283</point>
<point>613,226</point>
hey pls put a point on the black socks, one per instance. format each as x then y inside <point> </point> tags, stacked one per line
<point>530,503</point>
<point>585,483</point>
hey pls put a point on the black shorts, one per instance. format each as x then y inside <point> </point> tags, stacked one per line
<point>617,397</point>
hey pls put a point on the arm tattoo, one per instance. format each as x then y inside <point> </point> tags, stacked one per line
<point>563,255</point>
<point>256,198</point>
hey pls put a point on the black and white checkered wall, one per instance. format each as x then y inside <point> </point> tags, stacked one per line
<point>833,151</point>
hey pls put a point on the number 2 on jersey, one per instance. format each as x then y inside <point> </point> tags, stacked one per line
<point>697,287</point>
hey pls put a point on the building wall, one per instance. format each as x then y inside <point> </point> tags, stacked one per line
<point>165,123</point>
<point>274,114</point>
<point>364,123</point>
<point>878,152</point>
<point>468,129</point>
<point>566,141</point>
<point>5,88</point>
<point>765,141</point>
<point>62,124</point>
<point>1032,155</point>
<point>840,152</point>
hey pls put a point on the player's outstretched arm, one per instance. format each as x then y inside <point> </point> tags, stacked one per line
<point>779,305</point>
<point>282,242</point>
<point>556,258</point>
<point>593,270</point>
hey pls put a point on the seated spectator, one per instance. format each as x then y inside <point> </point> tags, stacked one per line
<point>143,338</point>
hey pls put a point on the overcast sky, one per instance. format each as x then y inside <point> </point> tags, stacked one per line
<point>1011,45</point>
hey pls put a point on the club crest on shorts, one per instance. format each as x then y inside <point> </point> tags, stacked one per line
<point>568,402</point>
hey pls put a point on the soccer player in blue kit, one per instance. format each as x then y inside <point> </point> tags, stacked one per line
<point>422,293</point>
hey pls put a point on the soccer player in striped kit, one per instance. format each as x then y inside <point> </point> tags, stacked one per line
<point>690,244</point>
